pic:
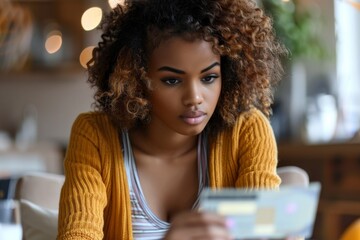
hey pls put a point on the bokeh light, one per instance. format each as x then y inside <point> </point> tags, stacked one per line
<point>91,18</point>
<point>86,55</point>
<point>114,3</point>
<point>53,42</point>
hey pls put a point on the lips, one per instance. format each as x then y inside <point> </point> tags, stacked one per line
<point>193,117</point>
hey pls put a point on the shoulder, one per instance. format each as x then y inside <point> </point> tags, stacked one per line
<point>91,117</point>
<point>93,122</point>
<point>251,126</point>
<point>252,119</point>
<point>252,114</point>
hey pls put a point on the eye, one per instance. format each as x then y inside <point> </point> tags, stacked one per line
<point>210,78</point>
<point>170,81</point>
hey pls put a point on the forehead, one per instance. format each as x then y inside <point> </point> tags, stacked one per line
<point>181,52</point>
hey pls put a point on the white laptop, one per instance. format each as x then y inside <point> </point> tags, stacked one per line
<point>271,214</point>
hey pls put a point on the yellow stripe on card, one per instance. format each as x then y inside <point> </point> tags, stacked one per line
<point>234,207</point>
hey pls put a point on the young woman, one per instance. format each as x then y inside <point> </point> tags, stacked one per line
<point>183,95</point>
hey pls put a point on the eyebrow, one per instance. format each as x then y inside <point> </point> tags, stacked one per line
<point>178,71</point>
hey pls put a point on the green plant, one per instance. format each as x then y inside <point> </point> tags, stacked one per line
<point>295,28</point>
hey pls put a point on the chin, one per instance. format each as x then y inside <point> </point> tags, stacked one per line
<point>192,130</point>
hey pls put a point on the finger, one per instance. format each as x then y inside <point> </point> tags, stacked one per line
<point>196,225</point>
<point>211,232</point>
<point>198,219</point>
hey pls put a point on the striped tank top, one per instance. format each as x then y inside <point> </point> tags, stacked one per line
<point>145,224</point>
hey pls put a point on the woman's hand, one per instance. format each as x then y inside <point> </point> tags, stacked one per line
<point>198,225</point>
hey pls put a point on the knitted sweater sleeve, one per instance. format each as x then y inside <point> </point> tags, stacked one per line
<point>245,156</point>
<point>83,196</point>
<point>257,152</point>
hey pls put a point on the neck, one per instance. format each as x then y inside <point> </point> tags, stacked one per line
<point>162,143</point>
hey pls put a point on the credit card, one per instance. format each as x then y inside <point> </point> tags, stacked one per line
<point>252,214</point>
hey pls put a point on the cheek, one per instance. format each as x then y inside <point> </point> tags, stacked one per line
<point>215,94</point>
<point>164,100</point>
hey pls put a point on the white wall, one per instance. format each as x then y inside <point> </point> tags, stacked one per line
<point>58,96</point>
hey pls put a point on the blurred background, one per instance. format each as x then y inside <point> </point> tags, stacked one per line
<point>45,44</point>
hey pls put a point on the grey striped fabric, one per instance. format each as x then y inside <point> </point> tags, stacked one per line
<point>146,225</point>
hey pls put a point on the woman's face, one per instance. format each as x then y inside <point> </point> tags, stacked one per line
<point>186,81</point>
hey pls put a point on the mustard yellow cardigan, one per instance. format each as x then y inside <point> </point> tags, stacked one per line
<point>94,202</point>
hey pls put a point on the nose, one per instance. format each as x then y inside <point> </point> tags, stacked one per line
<point>193,95</point>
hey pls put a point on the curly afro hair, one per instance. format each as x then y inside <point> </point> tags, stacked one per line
<point>238,30</point>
